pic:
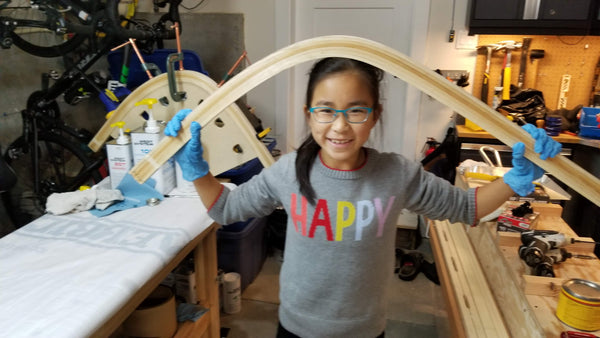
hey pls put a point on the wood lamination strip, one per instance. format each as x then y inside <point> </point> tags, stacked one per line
<point>477,309</point>
<point>391,61</point>
<point>518,314</point>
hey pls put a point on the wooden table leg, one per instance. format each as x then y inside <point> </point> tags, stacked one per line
<point>207,286</point>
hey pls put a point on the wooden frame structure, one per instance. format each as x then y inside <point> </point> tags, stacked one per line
<point>391,61</point>
<point>229,140</point>
<point>204,248</point>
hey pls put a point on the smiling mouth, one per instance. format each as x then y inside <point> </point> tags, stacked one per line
<point>339,141</point>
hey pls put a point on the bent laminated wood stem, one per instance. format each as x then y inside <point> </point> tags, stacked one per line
<point>394,63</point>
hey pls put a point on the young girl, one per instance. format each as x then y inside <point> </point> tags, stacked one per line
<point>342,201</point>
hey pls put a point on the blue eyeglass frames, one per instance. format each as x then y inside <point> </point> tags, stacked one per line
<point>353,114</point>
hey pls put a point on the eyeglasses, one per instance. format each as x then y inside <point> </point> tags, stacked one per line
<point>353,114</point>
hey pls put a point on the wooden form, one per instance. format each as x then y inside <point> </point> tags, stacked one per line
<point>527,304</point>
<point>391,61</point>
<point>207,289</point>
<point>219,137</point>
<point>472,308</point>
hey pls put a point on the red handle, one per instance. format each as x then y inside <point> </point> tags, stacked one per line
<point>576,334</point>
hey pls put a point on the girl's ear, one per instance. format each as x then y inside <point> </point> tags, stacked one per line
<point>378,111</point>
<point>306,112</point>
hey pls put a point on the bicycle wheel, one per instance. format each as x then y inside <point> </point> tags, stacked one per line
<point>63,166</point>
<point>38,32</point>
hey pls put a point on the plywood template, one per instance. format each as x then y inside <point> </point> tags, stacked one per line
<point>219,137</point>
<point>573,55</point>
<point>391,61</point>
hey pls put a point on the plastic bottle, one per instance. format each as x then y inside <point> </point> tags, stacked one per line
<point>120,155</point>
<point>144,139</point>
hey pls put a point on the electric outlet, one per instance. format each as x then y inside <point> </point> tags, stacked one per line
<point>466,41</point>
<point>455,75</point>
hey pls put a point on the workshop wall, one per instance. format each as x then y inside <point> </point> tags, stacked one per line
<point>573,55</point>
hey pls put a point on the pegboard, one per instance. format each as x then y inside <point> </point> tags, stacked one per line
<point>576,56</point>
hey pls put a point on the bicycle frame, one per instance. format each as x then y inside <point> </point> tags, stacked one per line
<point>43,129</point>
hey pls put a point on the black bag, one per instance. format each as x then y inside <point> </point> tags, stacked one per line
<point>524,106</point>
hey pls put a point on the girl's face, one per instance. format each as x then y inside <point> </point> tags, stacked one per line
<point>340,141</point>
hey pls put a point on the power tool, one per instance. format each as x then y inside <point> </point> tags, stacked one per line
<point>554,256</point>
<point>541,249</point>
<point>536,243</point>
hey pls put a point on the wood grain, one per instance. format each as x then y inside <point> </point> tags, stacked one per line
<point>218,139</point>
<point>391,61</point>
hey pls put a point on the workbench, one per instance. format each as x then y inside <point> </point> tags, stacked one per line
<point>582,215</point>
<point>488,289</point>
<point>78,275</point>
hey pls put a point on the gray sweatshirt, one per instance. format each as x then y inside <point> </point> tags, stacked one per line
<point>339,254</point>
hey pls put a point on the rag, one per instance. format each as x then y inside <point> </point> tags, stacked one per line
<point>135,194</point>
<point>76,201</point>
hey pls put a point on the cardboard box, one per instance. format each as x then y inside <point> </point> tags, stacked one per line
<point>508,222</point>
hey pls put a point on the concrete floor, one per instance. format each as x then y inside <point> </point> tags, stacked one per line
<point>416,309</point>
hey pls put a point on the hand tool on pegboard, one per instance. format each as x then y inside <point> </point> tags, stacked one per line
<point>497,99</point>
<point>534,56</point>
<point>523,65</point>
<point>565,82</point>
<point>485,82</point>
<point>508,46</point>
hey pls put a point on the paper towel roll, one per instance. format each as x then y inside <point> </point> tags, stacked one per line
<point>232,293</point>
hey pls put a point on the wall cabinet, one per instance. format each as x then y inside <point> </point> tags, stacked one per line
<point>535,17</point>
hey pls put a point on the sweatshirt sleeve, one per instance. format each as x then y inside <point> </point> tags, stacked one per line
<point>437,199</point>
<point>255,198</point>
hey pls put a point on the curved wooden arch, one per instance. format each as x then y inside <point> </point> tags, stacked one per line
<point>390,61</point>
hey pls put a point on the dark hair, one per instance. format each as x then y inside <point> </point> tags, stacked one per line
<point>307,153</point>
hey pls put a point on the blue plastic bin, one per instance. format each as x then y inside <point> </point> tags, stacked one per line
<point>242,248</point>
<point>137,76</point>
<point>588,123</point>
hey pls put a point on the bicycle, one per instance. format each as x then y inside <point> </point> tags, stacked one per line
<point>51,156</point>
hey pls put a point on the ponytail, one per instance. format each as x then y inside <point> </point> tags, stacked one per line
<point>306,155</point>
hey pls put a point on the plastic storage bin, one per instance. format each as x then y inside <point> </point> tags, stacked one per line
<point>137,76</point>
<point>242,248</point>
<point>244,172</point>
<point>589,122</point>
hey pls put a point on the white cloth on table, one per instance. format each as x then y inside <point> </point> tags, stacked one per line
<point>63,276</point>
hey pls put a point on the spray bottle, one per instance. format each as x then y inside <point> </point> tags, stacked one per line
<point>120,156</point>
<point>144,139</point>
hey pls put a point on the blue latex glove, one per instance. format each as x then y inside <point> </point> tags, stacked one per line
<point>520,178</point>
<point>189,157</point>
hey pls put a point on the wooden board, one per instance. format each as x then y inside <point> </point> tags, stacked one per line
<point>472,302</point>
<point>219,137</point>
<point>391,61</point>
<point>504,285</point>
